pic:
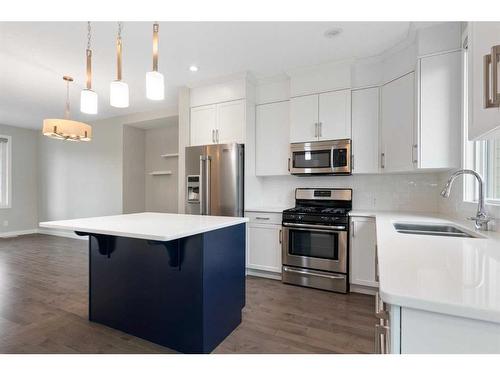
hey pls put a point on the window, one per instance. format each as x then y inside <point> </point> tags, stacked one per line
<point>481,156</point>
<point>5,170</point>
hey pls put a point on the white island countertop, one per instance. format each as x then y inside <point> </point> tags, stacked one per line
<point>147,225</point>
<point>448,275</point>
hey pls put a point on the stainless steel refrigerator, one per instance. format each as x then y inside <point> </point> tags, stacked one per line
<point>214,180</point>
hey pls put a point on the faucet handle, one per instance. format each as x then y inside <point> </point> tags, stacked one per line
<point>481,221</point>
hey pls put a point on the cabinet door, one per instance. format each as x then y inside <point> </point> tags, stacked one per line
<point>203,125</point>
<point>482,36</point>
<point>264,248</point>
<point>304,118</point>
<point>363,251</point>
<point>365,130</point>
<point>398,117</point>
<point>272,139</point>
<point>335,115</point>
<point>440,111</point>
<point>231,122</point>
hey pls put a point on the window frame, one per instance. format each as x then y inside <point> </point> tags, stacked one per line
<point>8,182</point>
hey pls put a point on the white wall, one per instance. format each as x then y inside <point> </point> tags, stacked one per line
<point>85,179</point>
<point>22,216</point>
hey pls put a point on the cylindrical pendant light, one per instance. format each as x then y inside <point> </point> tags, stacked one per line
<point>88,97</point>
<point>118,90</point>
<point>67,129</point>
<point>155,83</point>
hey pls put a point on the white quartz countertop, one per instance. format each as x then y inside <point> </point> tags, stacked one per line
<point>147,225</point>
<point>449,275</point>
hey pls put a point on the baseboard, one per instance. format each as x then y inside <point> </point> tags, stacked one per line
<point>265,274</point>
<point>61,233</point>
<point>363,289</point>
<point>18,233</point>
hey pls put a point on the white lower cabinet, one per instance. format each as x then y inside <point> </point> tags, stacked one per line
<point>423,332</point>
<point>264,243</point>
<point>363,252</point>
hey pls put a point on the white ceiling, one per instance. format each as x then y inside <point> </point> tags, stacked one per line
<point>35,56</point>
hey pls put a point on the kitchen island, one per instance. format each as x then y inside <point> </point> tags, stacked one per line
<point>176,280</point>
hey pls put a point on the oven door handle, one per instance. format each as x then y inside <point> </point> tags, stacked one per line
<point>314,227</point>
<point>304,272</point>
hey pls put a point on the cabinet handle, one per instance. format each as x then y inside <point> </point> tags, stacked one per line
<point>217,135</point>
<point>414,153</point>
<point>376,263</point>
<point>261,218</point>
<point>353,230</point>
<point>382,160</point>
<point>320,125</point>
<point>281,235</point>
<point>213,135</point>
<point>487,62</point>
<point>495,58</point>
<point>352,162</point>
<point>315,130</point>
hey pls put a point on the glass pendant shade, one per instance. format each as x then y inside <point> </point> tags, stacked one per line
<point>155,86</point>
<point>88,102</point>
<point>118,94</point>
<point>68,130</point>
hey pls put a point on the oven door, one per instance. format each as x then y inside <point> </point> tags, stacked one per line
<point>327,157</point>
<point>322,248</point>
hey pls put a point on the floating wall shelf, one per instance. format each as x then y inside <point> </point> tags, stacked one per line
<point>160,173</point>
<point>169,155</point>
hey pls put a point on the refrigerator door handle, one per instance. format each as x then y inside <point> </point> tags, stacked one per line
<point>208,171</point>
<point>202,198</point>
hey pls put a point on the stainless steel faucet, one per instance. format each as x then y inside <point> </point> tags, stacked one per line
<point>481,219</point>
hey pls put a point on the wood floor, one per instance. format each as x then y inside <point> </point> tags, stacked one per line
<point>43,309</point>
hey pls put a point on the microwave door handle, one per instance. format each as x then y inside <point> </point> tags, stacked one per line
<point>331,158</point>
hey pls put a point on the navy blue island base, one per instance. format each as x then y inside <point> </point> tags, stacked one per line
<point>186,294</point>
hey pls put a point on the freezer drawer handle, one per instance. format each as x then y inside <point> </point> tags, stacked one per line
<point>309,273</point>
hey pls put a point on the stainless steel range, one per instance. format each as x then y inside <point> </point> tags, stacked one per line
<point>315,239</point>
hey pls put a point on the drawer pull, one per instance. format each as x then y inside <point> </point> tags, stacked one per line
<point>261,218</point>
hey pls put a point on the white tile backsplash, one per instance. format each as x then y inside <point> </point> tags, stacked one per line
<point>397,192</point>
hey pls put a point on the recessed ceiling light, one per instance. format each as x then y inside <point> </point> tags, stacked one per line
<point>193,68</point>
<point>333,32</point>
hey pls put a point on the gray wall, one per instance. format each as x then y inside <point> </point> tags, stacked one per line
<point>161,191</point>
<point>22,216</point>
<point>134,166</point>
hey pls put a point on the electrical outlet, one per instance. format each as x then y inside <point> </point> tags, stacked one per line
<point>6,223</point>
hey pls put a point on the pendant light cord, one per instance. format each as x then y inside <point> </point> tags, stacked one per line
<point>155,46</point>
<point>89,57</point>
<point>66,111</point>
<point>119,53</point>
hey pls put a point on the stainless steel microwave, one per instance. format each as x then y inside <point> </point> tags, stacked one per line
<point>322,157</point>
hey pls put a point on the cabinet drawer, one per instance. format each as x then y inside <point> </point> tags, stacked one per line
<point>264,217</point>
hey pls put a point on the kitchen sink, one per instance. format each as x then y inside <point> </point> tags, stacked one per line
<point>433,229</point>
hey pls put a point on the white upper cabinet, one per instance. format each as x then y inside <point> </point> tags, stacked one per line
<point>398,152</point>
<point>365,130</point>
<point>231,122</point>
<point>304,119</point>
<point>203,124</point>
<point>320,117</point>
<point>335,115</point>
<point>483,117</point>
<point>272,139</point>
<point>218,123</point>
<point>439,120</point>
